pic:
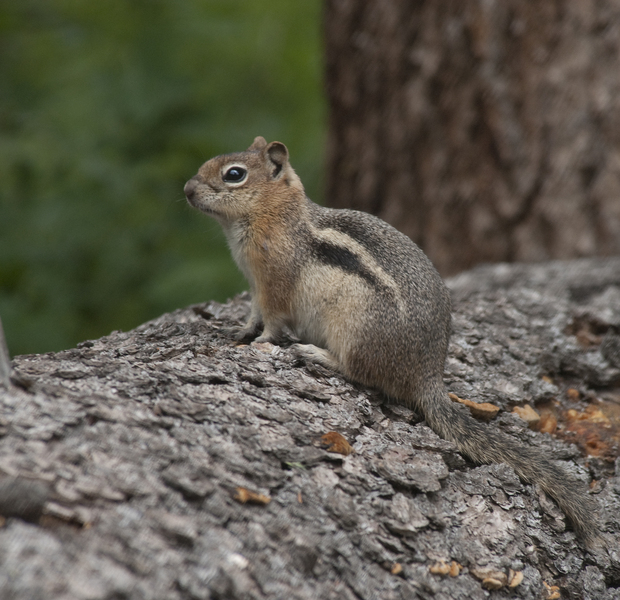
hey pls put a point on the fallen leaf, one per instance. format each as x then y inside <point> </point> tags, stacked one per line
<point>244,495</point>
<point>514,578</point>
<point>553,591</point>
<point>481,410</point>
<point>528,414</point>
<point>548,423</point>
<point>440,568</point>
<point>336,442</point>
<point>494,579</point>
<point>492,584</point>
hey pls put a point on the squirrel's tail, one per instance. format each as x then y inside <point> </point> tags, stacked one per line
<point>484,444</point>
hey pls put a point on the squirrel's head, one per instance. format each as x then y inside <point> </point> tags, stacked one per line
<point>245,184</point>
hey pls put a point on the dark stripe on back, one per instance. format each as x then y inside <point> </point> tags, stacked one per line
<point>371,236</point>
<point>342,258</point>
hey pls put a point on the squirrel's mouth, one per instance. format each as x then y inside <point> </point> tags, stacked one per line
<point>202,206</point>
<point>197,202</point>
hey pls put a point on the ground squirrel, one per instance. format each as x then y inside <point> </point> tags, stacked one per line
<point>362,296</point>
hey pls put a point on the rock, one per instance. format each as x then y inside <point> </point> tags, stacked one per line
<point>173,463</point>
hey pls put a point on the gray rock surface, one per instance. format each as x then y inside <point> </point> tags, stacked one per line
<point>123,461</point>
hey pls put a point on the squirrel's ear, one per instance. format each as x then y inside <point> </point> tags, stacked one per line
<point>258,144</point>
<point>278,155</point>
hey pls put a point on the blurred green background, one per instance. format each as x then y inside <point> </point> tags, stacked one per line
<point>106,109</point>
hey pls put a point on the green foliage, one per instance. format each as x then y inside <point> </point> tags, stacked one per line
<point>106,109</point>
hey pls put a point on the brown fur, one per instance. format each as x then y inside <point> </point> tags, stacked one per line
<point>364,297</point>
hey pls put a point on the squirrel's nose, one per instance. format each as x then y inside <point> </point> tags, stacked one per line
<point>190,188</point>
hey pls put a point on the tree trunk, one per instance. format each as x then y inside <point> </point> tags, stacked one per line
<point>5,360</point>
<point>486,131</point>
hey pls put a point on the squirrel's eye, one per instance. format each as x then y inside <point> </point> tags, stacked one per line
<point>235,175</point>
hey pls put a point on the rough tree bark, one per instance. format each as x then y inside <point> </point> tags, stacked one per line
<point>486,131</point>
<point>170,463</point>
<point>5,368</point>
